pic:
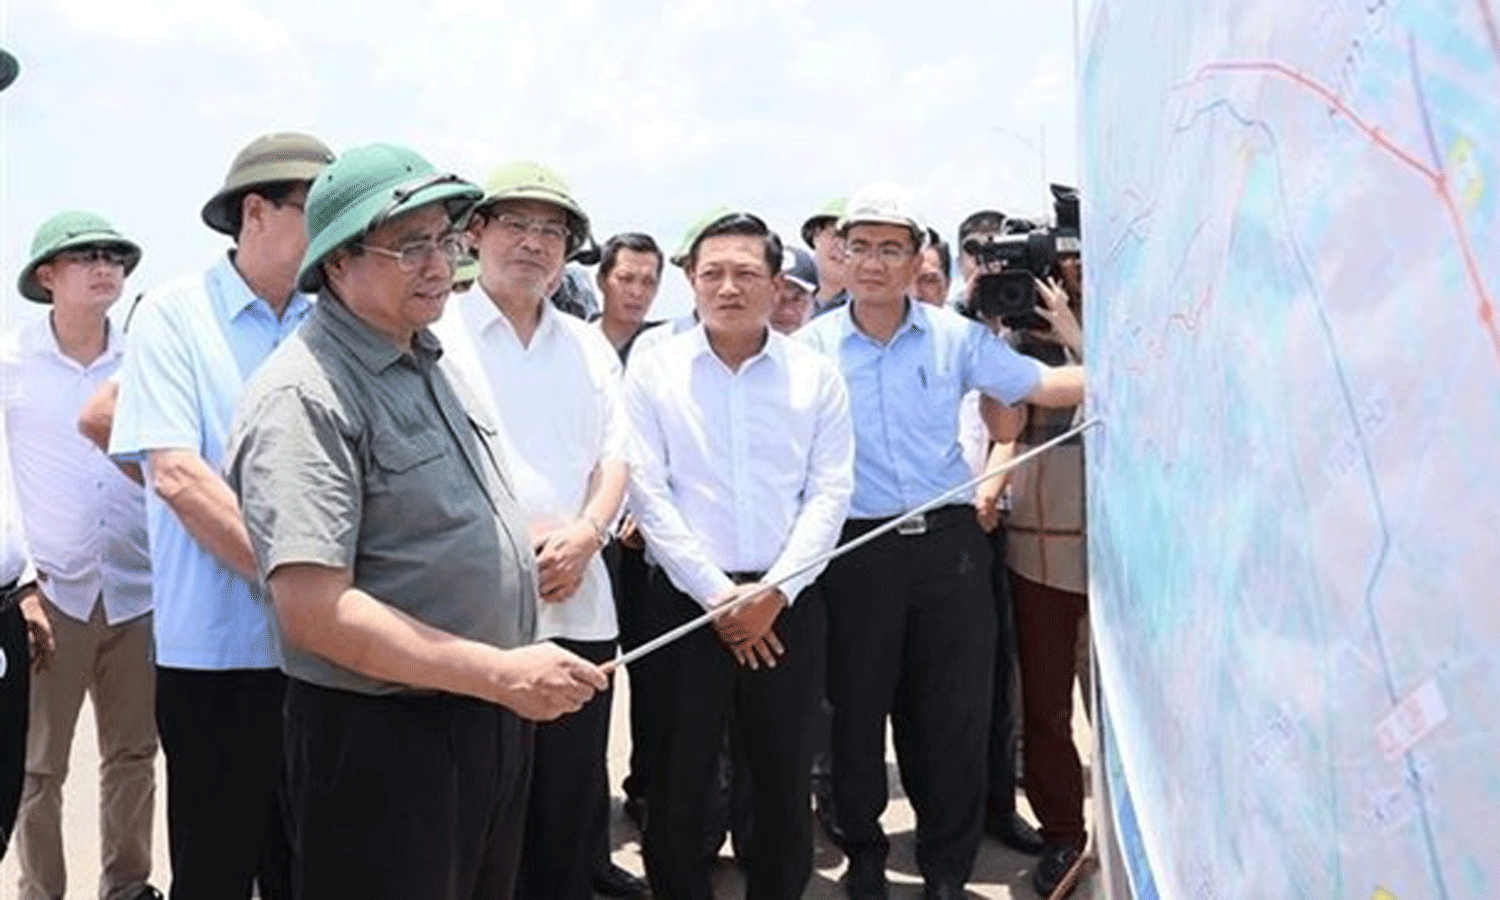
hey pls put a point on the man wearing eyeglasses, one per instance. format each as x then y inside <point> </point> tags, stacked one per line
<point>194,344</point>
<point>552,382</point>
<point>911,622</point>
<point>86,524</point>
<point>385,523</point>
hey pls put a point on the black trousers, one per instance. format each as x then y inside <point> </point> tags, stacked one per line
<point>404,796</point>
<point>773,709</point>
<point>630,579</point>
<point>221,734</point>
<point>569,806</point>
<point>15,705</point>
<point>912,636</point>
<point>1000,798</point>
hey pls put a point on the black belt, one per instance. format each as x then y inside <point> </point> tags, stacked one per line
<point>922,523</point>
<point>746,577</point>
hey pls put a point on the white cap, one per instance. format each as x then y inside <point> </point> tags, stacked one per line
<point>884,203</point>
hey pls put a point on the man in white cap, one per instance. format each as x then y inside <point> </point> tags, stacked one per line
<point>911,622</point>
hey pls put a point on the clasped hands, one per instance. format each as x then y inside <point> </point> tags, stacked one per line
<point>747,629</point>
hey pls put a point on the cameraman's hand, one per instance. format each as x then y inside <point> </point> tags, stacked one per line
<point>1054,308</point>
<point>987,503</point>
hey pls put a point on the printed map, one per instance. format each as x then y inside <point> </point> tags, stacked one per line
<point>1292,250</point>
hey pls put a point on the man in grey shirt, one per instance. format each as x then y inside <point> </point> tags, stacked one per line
<point>396,558</point>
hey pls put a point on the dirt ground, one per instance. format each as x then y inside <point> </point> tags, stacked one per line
<point>998,873</point>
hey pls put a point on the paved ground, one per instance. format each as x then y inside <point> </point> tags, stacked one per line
<point>999,873</point>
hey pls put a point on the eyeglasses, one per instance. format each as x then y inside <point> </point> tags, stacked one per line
<point>515,226</point>
<point>410,257</point>
<point>88,256</point>
<point>888,254</point>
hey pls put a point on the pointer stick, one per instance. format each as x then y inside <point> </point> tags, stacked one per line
<point>685,628</point>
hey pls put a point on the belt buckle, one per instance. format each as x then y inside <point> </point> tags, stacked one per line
<point>913,525</point>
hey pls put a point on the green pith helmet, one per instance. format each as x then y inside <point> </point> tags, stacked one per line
<point>690,237</point>
<point>466,269</point>
<point>522,180</point>
<point>831,212</point>
<point>269,159</point>
<point>9,68</point>
<point>66,231</point>
<point>366,187</point>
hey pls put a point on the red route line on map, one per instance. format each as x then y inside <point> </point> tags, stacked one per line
<point>1437,178</point>
<point>1190,318</point>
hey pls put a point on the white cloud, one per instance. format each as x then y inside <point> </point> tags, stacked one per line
<point>655,109</point>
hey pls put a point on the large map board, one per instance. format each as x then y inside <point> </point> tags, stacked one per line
<point>1292,256</point>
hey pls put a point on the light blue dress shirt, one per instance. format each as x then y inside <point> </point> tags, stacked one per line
<point>193,344</point>
<point>905,397</point>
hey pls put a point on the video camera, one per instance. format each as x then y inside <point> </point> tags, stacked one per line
<point>1009,294</point>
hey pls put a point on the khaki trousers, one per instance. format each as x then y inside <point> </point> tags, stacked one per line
<point>114,664</point>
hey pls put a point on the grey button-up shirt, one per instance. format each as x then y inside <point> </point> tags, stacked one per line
<point>351,453</point>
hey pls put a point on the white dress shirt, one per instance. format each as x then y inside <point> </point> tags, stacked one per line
<point>738,471</point>
<point>85,521</point>
<point>557,404</point>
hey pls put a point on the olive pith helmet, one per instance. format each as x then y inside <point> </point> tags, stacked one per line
<point>830,214</point>
<point>269,159</point>
<point>366,187</point>
<point>690,237</point>
<point>525,180</point>
<point>74,229</point>
<point>9,68</point>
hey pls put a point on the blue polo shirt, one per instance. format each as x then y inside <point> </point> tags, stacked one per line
<point>904,396</point>
<point>193,344</point>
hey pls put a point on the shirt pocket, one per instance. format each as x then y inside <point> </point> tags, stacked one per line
<point>398,455</point>
<point>412,482</point>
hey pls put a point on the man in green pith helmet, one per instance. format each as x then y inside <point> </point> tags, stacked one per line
<point>552,384</point>
<point>386,528</point>
<point>821,235</point>
<point>86,524</point>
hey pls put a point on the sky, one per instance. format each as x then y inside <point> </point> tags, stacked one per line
<point>654,110</point>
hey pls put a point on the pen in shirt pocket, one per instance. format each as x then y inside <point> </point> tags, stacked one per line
<point>922,374</point>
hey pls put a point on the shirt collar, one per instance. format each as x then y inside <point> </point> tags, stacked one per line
<point>914,320</point>
<point>373,349</point>
<point>482,314</point>
<point>774,349</point>
<point>39,338</point>
<point>232,295</point>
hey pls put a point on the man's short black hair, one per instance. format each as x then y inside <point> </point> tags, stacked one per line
<point>944,254</point>
<point>990,221</point>
<point>274,193</point>
<point>740,223</point>
<point>628,240</point>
